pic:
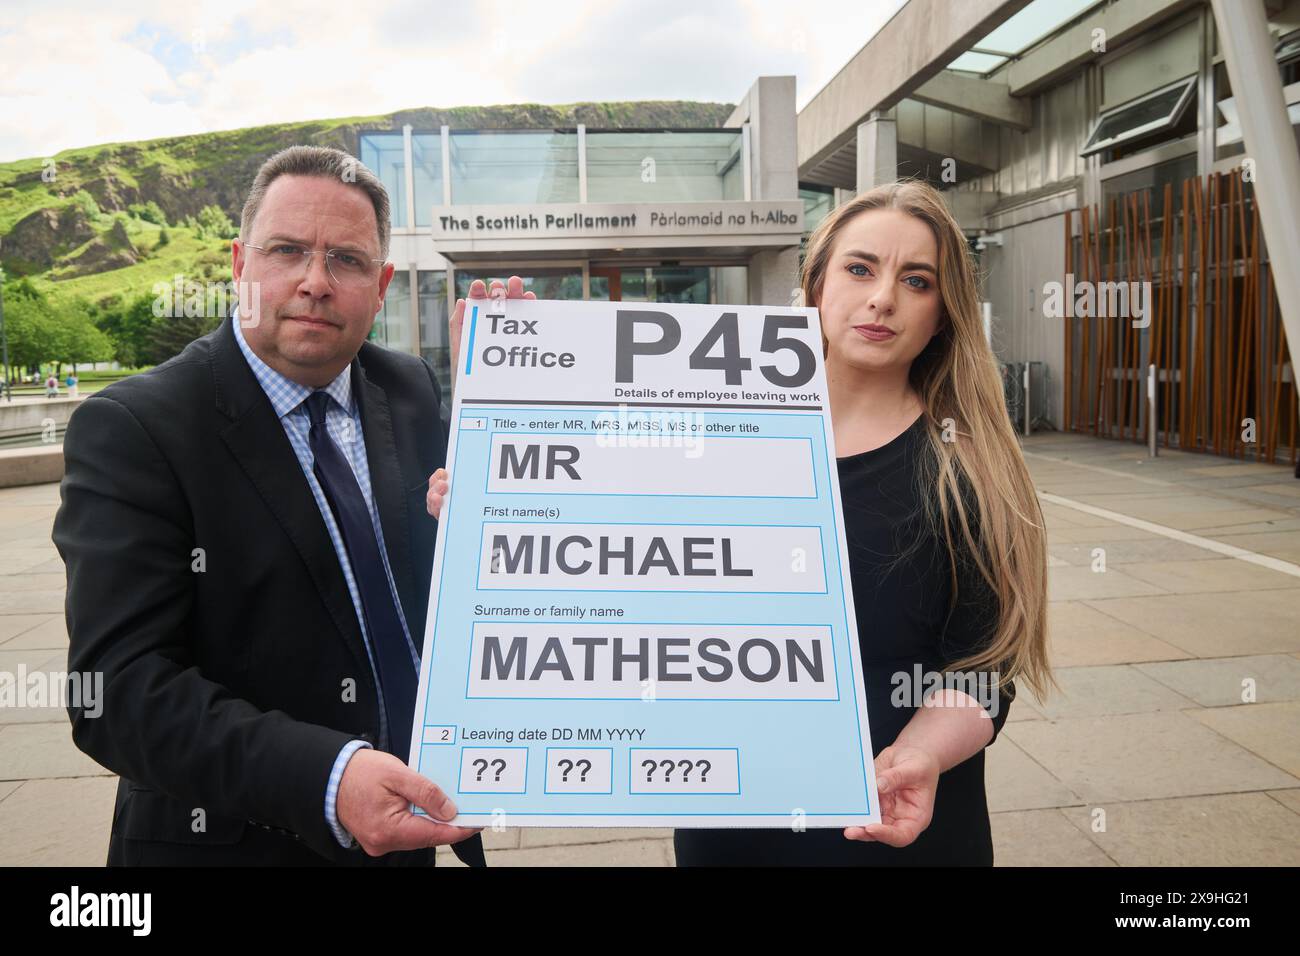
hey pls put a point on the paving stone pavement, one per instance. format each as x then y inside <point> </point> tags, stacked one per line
<point>1174,740</point>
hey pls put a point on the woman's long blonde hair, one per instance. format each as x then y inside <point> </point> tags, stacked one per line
<point>958,381</point>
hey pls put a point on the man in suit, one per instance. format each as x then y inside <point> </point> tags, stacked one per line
<point>248,557</point>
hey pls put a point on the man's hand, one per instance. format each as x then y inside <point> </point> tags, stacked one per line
<point>439,485</point>
<point>513,289</point>
<point>374,801</point>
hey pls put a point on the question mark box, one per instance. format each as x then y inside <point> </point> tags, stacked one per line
<point>493,770</point>
<point>584,770</point>
<point>692,770</point>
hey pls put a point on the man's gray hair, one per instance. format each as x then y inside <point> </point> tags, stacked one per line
<point>326,163</point>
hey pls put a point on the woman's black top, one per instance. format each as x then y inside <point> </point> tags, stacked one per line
<point>902,593</point>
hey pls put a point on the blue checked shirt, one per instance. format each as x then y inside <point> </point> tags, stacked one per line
<point>343,422</point>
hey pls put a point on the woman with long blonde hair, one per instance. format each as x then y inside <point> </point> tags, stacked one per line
<point>947,549</point>
<point>946,543</point>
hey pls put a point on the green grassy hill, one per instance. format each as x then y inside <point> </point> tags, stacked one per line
<point>80,228</point>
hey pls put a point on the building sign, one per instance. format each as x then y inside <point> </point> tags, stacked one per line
<point>470,227</point>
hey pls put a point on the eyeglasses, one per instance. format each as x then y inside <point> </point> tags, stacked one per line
<point>346,267</point>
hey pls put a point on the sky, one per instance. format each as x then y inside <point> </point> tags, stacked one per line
<point>78,73</point>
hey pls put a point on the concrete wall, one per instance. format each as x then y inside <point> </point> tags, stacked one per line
<point>1152,64</point>
<point>28,415</point>
<point>1047,154</point>
<point>1014,275</point>
<point>773,277</point>
<point>31,466</point>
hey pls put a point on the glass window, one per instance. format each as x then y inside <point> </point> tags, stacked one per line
<point>664,166</point>
<point>817,202</point>
<point>514,167</point>
<point>666,284</point>
<point>432,290</point>
<point>1151,114</point>
<point>558,283</point>
<point>392,326</point>
<point>702,284</point>
<point>1288,59</point>
<point>426,163</point>
<point>1228,136</point>
<point>974,61</point>
<point>1036,21</point>
<point>385,155</point>
<point>1151,179</point>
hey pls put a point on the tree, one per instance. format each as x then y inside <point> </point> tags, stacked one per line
<point>170,334</point>
<point>82,340</point>
<point>41,331</point>
<point>130,328</point>
<point>213,223</point>
<point>31,329</point>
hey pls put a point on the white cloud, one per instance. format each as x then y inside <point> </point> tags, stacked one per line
<point>68,83</point>
<point>78,73</point>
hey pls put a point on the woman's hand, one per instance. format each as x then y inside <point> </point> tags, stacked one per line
<point>907,779</point>
<point>513,289</point>
<point>439,485</point>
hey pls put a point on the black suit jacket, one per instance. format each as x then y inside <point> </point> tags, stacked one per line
<point>202,582</point>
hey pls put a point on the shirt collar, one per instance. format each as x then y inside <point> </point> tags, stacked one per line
<point>284,393</point>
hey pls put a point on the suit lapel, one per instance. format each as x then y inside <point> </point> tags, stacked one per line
<point>256,438</point>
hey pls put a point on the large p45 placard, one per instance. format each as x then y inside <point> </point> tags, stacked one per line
<point>640,613</point>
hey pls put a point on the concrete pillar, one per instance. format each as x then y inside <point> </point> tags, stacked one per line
<point>774,276</point>
<point>877,151</point>
<point>1266,131</point>
<point>769,109</point>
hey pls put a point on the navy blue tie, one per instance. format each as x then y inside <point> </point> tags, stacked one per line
<point>397,674</point>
